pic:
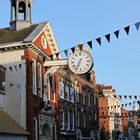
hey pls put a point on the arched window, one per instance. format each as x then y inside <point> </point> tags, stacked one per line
<point>46,132</point>
<point>35,129</point>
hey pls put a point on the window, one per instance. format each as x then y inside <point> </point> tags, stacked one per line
<point>39,69</point>
<point>78,119</point>
<point>89,99</point>
<point>94,98</point>
<point>34,76</point>
<point>78,93</point>
<point>68,121</point>
<point>52,84</point>
<point>46,89</point>
<point>62,120</point>
<point>84,97</point>
<point>72,122</point>
<point>61,90</point>
<point>72,93</point>
<point>35,129</point>
<point>67,92</point>
<point>84,117</point>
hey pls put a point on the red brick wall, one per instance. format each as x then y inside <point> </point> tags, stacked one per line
<point>32,101</point>
<point>124,120</point>
<point>103,115</point>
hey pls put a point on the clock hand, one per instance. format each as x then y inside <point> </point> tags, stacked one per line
<point>78,64</point>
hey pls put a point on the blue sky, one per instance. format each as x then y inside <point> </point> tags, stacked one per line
<point>116,63</point>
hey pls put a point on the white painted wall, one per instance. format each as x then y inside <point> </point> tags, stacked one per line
<point>15,97</point>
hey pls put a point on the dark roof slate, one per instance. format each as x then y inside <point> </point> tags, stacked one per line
<point>9,36</point>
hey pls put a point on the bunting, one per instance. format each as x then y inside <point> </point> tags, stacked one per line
<point>99,41</point>
<point>107,36</point>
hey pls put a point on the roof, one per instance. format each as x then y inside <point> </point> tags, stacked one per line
<point>26,35</point>
<point>7,35</point>
<point>10,126</point>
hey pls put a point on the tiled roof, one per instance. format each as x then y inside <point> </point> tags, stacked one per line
<point>9,36</point>
<point>10,126</point>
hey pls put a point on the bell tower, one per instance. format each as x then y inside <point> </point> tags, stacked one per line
<point>21,14</point>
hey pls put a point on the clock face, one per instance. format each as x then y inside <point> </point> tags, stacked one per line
<point>44,41</point>
<point>80,62</point>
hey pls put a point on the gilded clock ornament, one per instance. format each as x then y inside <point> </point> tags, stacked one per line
<point>80,62</point>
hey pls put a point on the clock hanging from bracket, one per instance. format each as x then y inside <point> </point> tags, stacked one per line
<point>80,62</point>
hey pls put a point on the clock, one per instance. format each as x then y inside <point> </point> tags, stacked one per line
<point>44,41</point>
<point>80,62</point>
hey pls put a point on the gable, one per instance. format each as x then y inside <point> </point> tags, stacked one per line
<point>45,41</point>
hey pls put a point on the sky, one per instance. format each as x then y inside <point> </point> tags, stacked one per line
<point>116,63</point>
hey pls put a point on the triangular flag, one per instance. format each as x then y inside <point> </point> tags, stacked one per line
<point>108,37</point>
<point>114,96</point>
<point>66,52</point>
<point>3,84</point>
<point>99,40</point>
<point>57,54</point>
<point>11,84</point>
<point>127,29</point>
<point>135,97</point>
<point>10,68</point>
<point>90,44</point>
<point>125,96</point>
<point>51,56</point>
<point>129,104</point>
<point>73,49</point>
<point>120,96</point>
<point>130,97</point>
<point>137,25</point>
<point>116,33</point>
<point>122,105</point>
<point>20,66</point>
<point>125,104</point>
<point>18,86</point>
<point>80,47</point>
<point>15,68</point>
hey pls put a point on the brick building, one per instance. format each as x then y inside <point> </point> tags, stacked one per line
<point>23,49</point>
<point>109,113</point>
<point>78,104</point>
<point>124,120</point>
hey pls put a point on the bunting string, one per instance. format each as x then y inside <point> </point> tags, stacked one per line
<point>99,39</point>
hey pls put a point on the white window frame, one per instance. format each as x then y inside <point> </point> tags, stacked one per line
<point>46,89</point>
<point>39,67</point>
<point>34,77</point>
<point>61,90</point>
<point>63,121</point>
<point>72,94</point>
<point>67,91</point>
